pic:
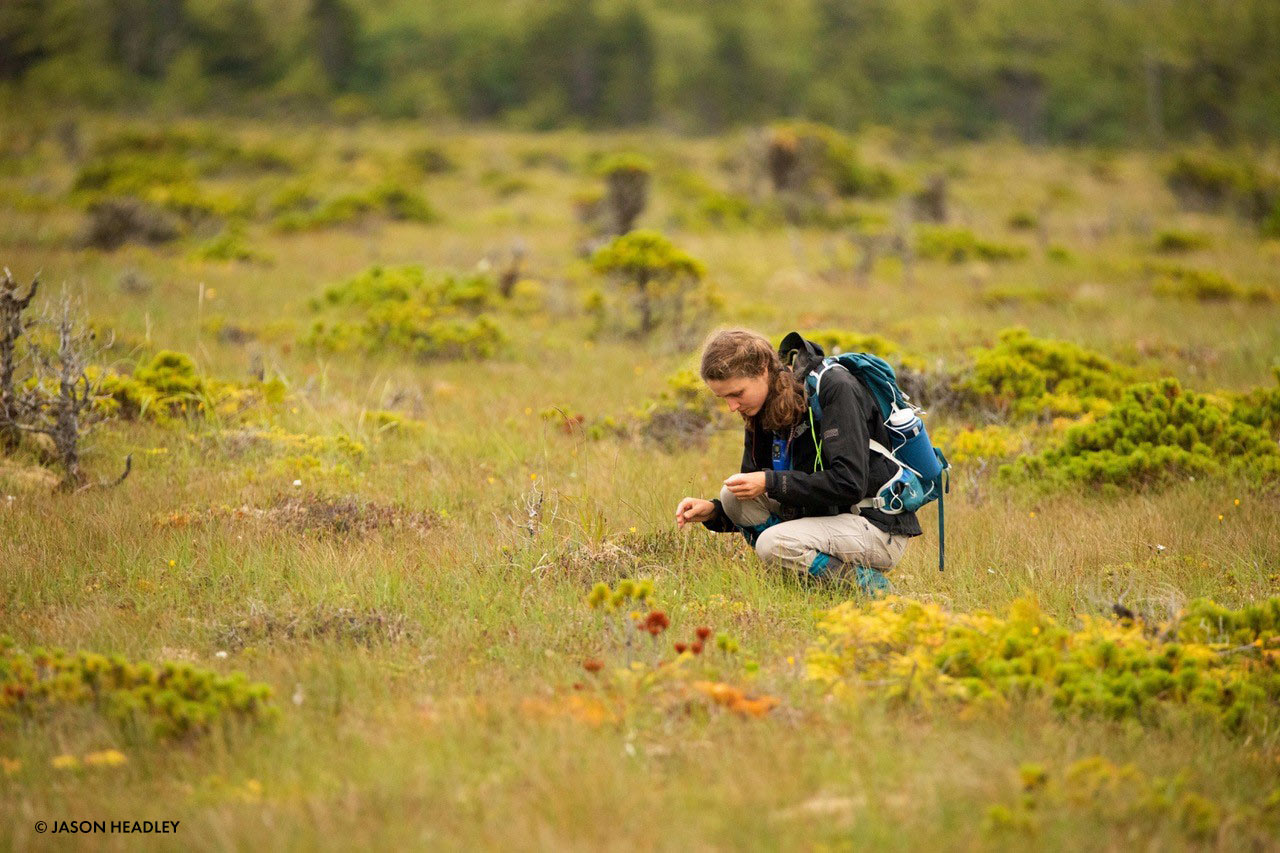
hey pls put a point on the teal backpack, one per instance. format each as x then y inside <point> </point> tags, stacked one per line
<point>923,472</point>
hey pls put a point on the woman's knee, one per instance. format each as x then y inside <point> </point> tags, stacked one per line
<point>767,545</point>
<point>732,507</point>
<point>776,547</point>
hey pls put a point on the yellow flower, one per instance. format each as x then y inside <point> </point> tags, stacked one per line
<point>533,476</point>
<point>1237,502</point>
<point>1221,517</point>
<point>65,762</point>
<point>1033,515</point>
<point>173,563</point>
<point>633,530</point>
<point>528,410</point>
<point>105,758</point>
<point>211,294</point>
<point>492,479</point>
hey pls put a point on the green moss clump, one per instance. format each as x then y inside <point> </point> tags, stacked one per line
<point>1024,376</point>
<point>1156,432</point>
<point>441,315</point>
<point>957,245</point>
<point>143,699</point>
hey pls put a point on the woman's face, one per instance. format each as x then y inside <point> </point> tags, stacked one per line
<point>744,395</point>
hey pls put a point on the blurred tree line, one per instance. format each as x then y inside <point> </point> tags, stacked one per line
<point>1098,71</point>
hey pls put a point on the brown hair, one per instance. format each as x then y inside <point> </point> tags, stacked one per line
<point>743,354</point>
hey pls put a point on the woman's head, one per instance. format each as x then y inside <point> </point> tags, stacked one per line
<point>742,368</point>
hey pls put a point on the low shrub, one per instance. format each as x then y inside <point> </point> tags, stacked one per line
<point>683,415</point>
<point>141,698</point>
<point>957,245</point>
<point>1212,663</point>
<point>967,444</point>
<point>1202,285</point>
<point>300,212</point>
<point>809,157</point>
<point>1171,241</point>
<point>167,389</point>
<point>1204,179</point>
<point>1156,432</point>
<point>1260,408</point>
<point>1023,376</point>
<point>230,245</point>
<point>112,222</point>
<point>436,315</point>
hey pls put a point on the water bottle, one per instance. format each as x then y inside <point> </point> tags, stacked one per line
<point>910,443</point>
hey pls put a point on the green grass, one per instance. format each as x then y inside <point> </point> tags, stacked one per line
<point>423,737</point>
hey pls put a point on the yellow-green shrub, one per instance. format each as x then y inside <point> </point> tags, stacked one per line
<point>956,245</point>
<point>1025,376</point>
<point>167,388</point>
<point>918,653</point>
<point>430,315</point>
<point>1157,431</point>
<point>990,442</point>
<point>164,700</point>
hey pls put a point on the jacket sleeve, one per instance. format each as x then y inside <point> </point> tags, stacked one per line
<point>720,523</point>
<point>842,481</point>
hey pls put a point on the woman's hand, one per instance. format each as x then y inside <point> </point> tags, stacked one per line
<point>746,487</point>
<point>693,510</point>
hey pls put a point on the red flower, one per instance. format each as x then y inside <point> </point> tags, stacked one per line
<point>680,648</point>
<point>696,648</point>
<point>656,622</point>
<point>593,664</point>
<point>703,632</point>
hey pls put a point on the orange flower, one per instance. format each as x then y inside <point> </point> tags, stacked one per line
<point>593,664</point>
<point>755,707</point>
<point>703,632</point>
<point>681,647</point>
<point>696,648</point>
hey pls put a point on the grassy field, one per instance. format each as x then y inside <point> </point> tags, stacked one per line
<point>425,640</point>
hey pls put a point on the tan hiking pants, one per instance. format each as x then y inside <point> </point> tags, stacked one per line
<point>847,537</point>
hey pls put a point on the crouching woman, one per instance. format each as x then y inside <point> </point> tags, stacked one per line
<point>795,499</point>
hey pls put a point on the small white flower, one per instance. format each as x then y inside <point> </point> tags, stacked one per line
<point>297,482</point>
<point>298,696</point>
<point>991,571</point>
<point>221,655</point>
<point>1159,548</point>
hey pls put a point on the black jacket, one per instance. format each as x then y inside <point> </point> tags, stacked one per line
<point>850,472</point>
